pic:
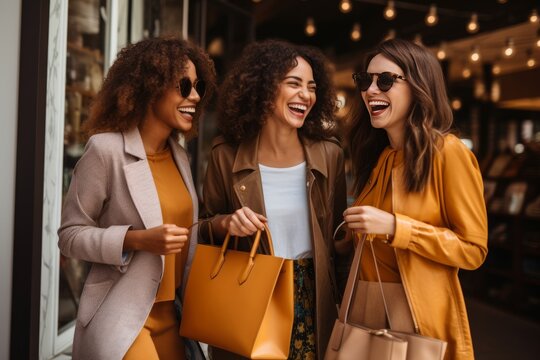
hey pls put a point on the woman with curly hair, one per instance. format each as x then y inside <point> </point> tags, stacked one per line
<point>420,192</point>
<point>131,202</point>
<point>277,163</point>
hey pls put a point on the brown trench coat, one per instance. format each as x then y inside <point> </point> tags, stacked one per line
<point>438,231</point>
<point>233,180</point>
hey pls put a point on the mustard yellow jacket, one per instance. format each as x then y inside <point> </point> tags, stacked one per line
<point>438,231</point>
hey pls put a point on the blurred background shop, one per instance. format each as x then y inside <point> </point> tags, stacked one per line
<point>57,52</point>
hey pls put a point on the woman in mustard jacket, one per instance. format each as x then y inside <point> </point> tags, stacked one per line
<point>420,190</point>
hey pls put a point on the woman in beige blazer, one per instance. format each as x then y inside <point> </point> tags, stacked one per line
<point>132,202</point>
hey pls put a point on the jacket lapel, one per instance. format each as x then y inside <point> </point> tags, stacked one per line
<point>374,175</point>
<point>140,181</point>
<point>247,182</point>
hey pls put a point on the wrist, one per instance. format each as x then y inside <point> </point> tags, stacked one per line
<point>132,241</point>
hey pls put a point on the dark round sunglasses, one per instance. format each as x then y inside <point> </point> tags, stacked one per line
<point>185,85</point>
<point>385,80</point>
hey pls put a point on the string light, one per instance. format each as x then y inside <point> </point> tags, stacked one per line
<point>441,53</point>
<point>530,59</point>
<point>356,32</point>
<point>475,53</point>
<point>473,26</point>
<point>345,6</point>
<point>538,37</point>
<point>390,11</point>
<point>534,16</point>
<point>456,104</point>
<point>466,73</point>
<point>431,17</point>
<point>310,27</point>
<point>496,70</point>
<point>509,49</point>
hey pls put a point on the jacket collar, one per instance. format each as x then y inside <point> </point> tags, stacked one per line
<point>247,159</point>
<point>133,144</point>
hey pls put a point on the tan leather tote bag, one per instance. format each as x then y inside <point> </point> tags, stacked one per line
<point>351,340</point>
<point>238,301</point>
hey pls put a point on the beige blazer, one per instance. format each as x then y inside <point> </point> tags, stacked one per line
<point>112,190</point>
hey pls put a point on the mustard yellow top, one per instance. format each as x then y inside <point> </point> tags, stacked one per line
<point>176,208</point>
<point>380,196</point>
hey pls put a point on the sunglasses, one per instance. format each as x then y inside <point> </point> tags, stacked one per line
<point>185,85</point>
<point>385,80</point>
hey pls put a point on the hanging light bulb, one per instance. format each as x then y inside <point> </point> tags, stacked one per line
<point>356,32</point>
<point>475,53</point>
<point>534,16</point>
<point>456,104</point>
<point>345,6</point>
<point>431,17</point>
<point>310,27</point>
<point>466,73</point>
<point>473,26</point>
<point>390,11</point>
<point>509,48</point>
<point>496,70</point>
<point>391,34</point>
<point>538,37</point>
<point>530,59</point>
<point>441,53</point>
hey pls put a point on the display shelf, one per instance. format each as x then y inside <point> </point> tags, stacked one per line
<point>83,51</point>
<point>510,276</point>
<point>80,90</point>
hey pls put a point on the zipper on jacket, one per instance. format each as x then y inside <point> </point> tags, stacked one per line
<point>415,323</point>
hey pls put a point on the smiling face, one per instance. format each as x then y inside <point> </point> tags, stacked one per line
<point>388,110</point>
<point>296,96</point>
<point>174,111</point>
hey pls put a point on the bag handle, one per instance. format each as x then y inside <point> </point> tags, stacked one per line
<point>354,273</point>
<point>352,281</point>
<point>251,259</point>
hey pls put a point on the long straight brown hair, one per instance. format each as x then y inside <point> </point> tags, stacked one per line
<point>429,118</point>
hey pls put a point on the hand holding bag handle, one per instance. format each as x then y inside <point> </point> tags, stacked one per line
<point>240,301</point>
<point>353,341</point>
<point>245,274</point>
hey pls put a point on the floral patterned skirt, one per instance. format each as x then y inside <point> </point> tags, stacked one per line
<point>303,330</point>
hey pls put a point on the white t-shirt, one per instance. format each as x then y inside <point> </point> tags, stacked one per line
<point>287,210</point>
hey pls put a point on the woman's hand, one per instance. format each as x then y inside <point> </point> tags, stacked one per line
<point>161,240</point>
<point>370,220</point>
<point>243,222</point>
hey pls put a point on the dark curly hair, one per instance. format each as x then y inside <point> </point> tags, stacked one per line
<point>429,120</point>
<point>249,90</point>
<point>140,75</point>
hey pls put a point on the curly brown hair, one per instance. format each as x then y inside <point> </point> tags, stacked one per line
<point>249,90</point>
<point>140,75</point>
<point>429,118</point>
